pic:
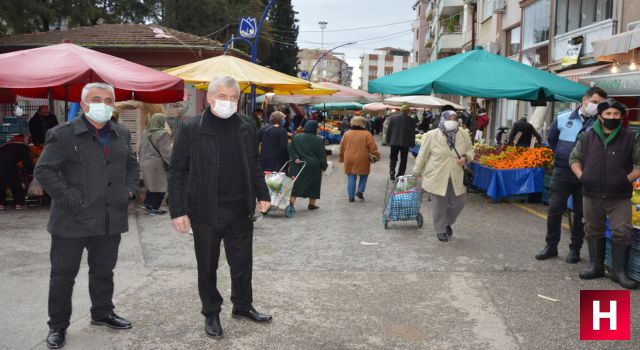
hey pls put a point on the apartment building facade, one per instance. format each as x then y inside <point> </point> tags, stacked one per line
<point>383,61</point>
<point>332,67</point>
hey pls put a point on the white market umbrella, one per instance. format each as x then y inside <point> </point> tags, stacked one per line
<point>421,101</point>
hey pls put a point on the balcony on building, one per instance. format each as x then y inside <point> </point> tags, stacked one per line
<point>430,11</point>
<point>450,7</point>
<point>583,21</point>
<point>450,36</point>
<point>589,34</point>
<point>428,40</point>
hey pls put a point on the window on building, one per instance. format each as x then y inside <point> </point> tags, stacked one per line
<point>487,9</point>
<point>536,23</point>
<point>513,41</point>
<point>574,14</point>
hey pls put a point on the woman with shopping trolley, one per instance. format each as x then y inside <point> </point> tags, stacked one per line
<point>309,160</point>
<point>443,155</point>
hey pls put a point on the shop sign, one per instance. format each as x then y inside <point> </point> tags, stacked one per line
<point>626,84</point>
<point>573,52</point>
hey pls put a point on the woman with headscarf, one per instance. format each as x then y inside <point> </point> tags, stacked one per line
<point>155,154</point>
<point>356,150</point>
<point>443,154</point>
<point>308,147</point>
<point>273,139</point>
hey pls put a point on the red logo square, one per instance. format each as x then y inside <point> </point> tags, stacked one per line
<point>605,315</point>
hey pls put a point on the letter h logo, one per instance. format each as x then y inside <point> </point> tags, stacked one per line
<point>605,315</point>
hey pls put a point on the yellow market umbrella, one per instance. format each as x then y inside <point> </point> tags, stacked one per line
<point>245,72</point>
<point>314,90</point>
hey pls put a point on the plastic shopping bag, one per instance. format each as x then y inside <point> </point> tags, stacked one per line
<point>405,183</point>
<point>275,180</point>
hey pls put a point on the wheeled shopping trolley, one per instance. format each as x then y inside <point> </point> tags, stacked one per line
<point>402,201</point>
<point>280,187</point>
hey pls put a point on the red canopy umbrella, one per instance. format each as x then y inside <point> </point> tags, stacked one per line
<point>65,68</point>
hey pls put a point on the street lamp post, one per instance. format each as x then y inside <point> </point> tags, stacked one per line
<point>323,26</point>
<point>324,54</point>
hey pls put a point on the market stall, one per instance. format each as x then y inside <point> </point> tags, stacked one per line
<point>508,171</point>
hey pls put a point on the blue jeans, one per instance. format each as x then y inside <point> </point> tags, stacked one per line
<point>351,184</point>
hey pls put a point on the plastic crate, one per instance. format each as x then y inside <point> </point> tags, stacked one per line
<point>633,265</point>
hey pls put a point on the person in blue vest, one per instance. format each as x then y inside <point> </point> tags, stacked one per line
<point>562,137</point>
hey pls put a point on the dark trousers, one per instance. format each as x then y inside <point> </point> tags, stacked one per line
<point>11,181</point>
<point>153,199</point>
<point>66,254</point>
<point>236,228</point>
<point>404,154</point>
<point>617,211</point>
<point>564,184</point>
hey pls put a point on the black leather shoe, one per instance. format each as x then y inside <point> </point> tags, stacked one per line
<point>573,257</point>
<point>547,252</point>
<point>112,321</point>
<point>313,207</point>
<point>449,231</point>
<point>251,314</point>
<point>360,195</point>
<point>442,237</point>
<point>55,339</point>
<point>351,200</point>
<point>212,326</point>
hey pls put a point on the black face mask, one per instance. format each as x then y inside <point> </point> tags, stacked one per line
<point>611,124</point>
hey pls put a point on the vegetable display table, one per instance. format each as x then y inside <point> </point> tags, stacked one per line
<point>503,183</point>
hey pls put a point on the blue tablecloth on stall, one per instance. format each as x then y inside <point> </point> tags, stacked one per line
<point>503,183</point>
<point>331,137</point>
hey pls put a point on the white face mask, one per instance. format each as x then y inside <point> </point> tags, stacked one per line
<point>591,109</point>
<point>225,109</point>
<point>450,125</point>
<point>99,112</point>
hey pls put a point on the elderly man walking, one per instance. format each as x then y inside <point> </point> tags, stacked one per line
<point>214,181</point>
<point>606,159</point>
<point>401,135</point>
<point>89,171</point>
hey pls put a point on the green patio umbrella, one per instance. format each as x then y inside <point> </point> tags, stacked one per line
<point>334,106</point>
<point>481,74</point>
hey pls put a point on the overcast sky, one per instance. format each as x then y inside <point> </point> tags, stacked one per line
<point>347,14</point>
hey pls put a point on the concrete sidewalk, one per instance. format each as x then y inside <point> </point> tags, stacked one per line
<point>325,289</point>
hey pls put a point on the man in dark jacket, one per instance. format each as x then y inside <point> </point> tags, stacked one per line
<point>11,153</point>
<point>401,135</point>
<point>522,133</point>
<point>90,172</point>
<point>214,182</point>
<point>562,137</point>
<point>606,159</point>
<point>40,123</point>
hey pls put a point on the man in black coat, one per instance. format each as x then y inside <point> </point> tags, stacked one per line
<point>91,174</point>
<point>40,123</point>
<point>522,133</point>
<point>214,182</point>
<point>11,153</point>
<point>401,135</point>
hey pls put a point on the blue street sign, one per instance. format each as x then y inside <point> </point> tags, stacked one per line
<point>304,75</point>
<point>248,28</point>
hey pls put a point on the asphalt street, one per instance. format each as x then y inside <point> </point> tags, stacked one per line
<point>333,278</point>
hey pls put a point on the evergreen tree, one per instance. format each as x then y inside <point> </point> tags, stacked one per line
<point>199,17</point>
<point>283,35</point>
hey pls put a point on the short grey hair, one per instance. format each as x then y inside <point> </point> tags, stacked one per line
<point>223,80</point>
<point>101,86</point>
